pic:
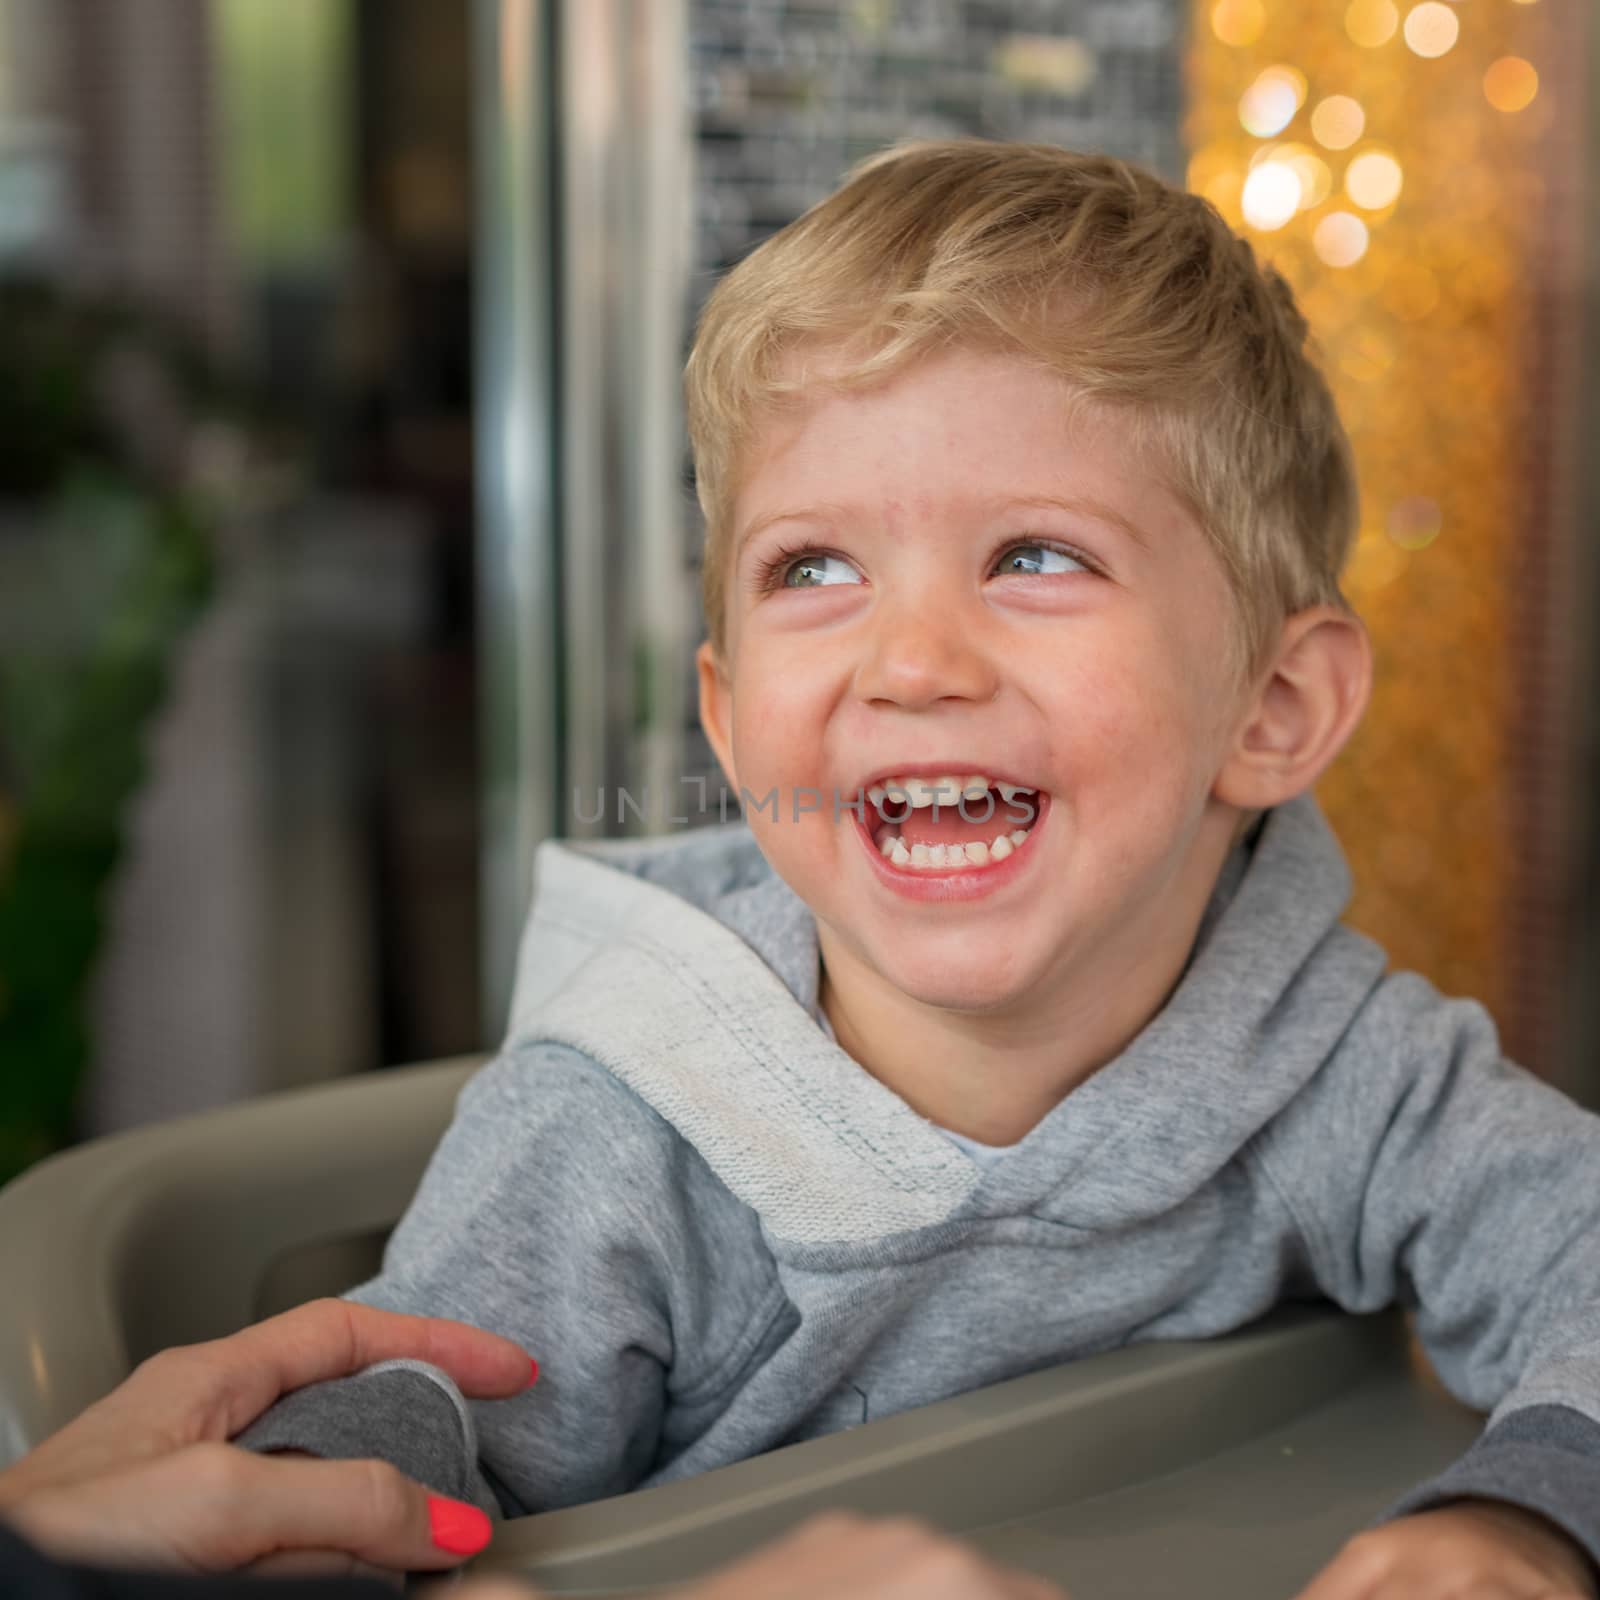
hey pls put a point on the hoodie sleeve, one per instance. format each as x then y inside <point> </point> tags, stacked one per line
<point>549,1214</point>
<point>1427,1169</point>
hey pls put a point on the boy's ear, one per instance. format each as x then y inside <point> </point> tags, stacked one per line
<point>716,709</point>
<point>1309,702</point>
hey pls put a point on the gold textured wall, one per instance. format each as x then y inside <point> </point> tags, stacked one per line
<point>1387,159</point>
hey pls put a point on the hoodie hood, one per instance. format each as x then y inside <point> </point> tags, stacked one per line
<point>688,968</point>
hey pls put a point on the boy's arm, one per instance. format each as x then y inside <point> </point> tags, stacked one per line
<point>547,1215</point>
<point>1424,1167</point>
<point>407,1413</point>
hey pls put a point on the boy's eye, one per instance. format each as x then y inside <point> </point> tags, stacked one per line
<point>818,569</point>
<point>812,571</point>
<point>1027,559</point>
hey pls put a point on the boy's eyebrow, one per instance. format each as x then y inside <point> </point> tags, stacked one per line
<point>1082,505</point>
<point>822,509</point>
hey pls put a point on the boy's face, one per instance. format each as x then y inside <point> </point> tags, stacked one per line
<point>928,608</point>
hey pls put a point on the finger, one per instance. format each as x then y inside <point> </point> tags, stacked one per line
<point>954,1570</point>
<point>247,1371</point>
<point>1336,1584</point>
<point>1353,1574</point>
<point>362,1509</point>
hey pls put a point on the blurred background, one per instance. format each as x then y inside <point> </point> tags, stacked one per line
<point>347,546</point>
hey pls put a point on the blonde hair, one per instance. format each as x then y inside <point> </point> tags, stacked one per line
<point>1136,293</point>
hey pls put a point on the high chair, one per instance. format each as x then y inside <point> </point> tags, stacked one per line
<point>1228,1469</point>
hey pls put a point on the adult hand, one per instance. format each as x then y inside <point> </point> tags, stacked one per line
<point>146,1478</point>
<point>845,1557</point>
<point>848,1557</point>
<point>1484,1548</point>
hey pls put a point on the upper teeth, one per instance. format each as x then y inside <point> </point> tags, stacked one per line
<point>948,789</point>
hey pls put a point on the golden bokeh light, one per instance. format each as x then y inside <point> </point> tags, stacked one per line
<point>1511,84</point>
<point>1316,181</point>
<point>1412,267</point>
<point>1414,522</point>
<point>1432,28</point>
<point>1271,195</point>
<point>1371,23</point>
<point>1337,122</point>
<point>1269,105</point>
<point>1340,238</point>
<point>1376,563</point>
<point>1226,192</point>
<point>1373,180</point>
<point>1238,22</point>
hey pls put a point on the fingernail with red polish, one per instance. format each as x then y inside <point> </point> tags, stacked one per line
<point>533,1377</point>
<point>462,1530</point>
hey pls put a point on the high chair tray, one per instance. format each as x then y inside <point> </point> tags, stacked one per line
<point>1228,1469</point>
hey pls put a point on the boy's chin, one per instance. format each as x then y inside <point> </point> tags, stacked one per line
<point>957,984</point>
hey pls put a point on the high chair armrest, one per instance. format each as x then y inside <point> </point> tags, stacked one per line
<point>191,1229</point>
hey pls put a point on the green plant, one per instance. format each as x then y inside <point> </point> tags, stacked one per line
<point>74,720</point>
<point>105,561</point>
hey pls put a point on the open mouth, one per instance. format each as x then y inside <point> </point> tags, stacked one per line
<point>952,822</point>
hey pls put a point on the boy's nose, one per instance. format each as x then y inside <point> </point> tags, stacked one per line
<point>919,654</point>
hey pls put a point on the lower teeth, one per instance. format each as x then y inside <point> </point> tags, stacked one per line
<point>944,857</point>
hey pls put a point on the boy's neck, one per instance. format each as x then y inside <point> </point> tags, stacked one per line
<point>993,1075</point>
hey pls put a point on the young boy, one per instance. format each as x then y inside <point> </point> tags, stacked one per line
<point>1018,1024</point>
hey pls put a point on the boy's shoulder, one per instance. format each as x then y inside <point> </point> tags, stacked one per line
<point>1275,950</point>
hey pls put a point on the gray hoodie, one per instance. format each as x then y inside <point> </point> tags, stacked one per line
<point>720,1234</point>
